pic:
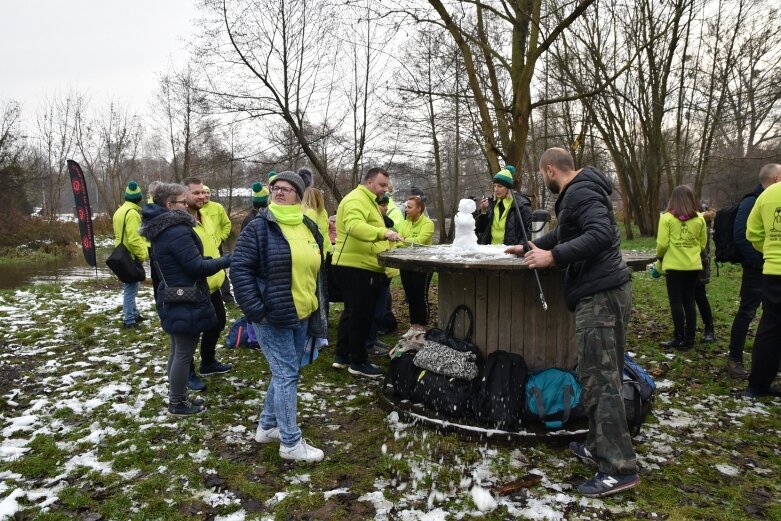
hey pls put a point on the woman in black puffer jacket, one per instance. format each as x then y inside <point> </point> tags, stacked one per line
<point>178,254</point>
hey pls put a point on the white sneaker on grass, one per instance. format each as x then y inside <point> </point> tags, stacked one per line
<point>301,451</point>
<point>266,435</point>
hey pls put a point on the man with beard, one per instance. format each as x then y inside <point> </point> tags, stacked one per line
<point>204,228</point>
<point>597,287</point>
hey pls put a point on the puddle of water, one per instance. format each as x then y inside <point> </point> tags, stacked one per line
<point>57,271</point>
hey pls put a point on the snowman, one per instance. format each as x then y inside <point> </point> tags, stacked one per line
<point>465,238</point>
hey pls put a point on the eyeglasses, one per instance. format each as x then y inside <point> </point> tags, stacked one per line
<point>182,201</point>
<point>283,189</point>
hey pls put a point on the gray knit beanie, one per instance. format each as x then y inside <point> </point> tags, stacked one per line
<point>292,178</point>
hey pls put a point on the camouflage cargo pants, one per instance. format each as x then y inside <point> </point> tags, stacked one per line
<point>601,321</point>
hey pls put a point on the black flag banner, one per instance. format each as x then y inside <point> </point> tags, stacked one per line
<point>83,211</point>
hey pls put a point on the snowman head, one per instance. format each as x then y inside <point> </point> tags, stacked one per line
<point>466,206</point>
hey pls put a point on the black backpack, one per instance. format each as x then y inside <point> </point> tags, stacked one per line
<point>446,395</point>
<point>500,398</point>
<point>403,375</point>
<point>723,225</point>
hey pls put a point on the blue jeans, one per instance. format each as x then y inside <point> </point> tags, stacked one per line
<point>129,311</point>
<point>283,349</point>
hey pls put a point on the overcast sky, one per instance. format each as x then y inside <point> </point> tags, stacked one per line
<point>102,48</point>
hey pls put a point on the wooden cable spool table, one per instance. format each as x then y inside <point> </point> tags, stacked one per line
<point>503,294</point>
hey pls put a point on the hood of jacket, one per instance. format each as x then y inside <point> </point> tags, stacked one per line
<point>589,174</point>
<point>156,219</point>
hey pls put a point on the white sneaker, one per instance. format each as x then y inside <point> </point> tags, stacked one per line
<point>266,436</point>
<point>301,451</point>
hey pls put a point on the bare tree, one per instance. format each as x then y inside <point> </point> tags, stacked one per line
<point>56,133</point>
<point>109,144</point>
<point>184,121</point>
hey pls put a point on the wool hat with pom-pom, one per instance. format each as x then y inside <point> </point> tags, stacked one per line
<point>133,192</point>
<point>306,175</point>
<point>259,194</point>
<point>504,177</point>
<point>271,176</point>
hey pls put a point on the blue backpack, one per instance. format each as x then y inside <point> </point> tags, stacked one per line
<point>553,397</point>
<point>638,391</point>
<point>241,334</point>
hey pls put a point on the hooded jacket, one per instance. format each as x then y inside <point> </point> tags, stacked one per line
<point>586,242</point>
<point>178,254</point>
<point>360,231</point>
<point>262,276</point>
<point>513,233</point>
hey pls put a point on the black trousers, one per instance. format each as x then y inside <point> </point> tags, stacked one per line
<point>360,290</point>
<point>416,286</point>
<point>680,292</point>
<point>766,357</point>
<point>701,298</point>
<point>750,299</point>
<point>210,337</point>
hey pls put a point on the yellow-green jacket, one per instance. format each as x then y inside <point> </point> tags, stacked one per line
<point>420,232</point>
<point>679,243</point>
<point>360,231</point>
<point>216,213</point>
<point>763,228</point>
<point>135,244</point>
<point>205,230</point>
<point>394,213</point>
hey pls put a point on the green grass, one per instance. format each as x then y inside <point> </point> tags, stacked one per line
<point>161,468</point>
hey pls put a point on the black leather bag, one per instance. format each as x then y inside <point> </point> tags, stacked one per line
<point>122,263</point>
<point>447,336</point>
<point>181,294</point>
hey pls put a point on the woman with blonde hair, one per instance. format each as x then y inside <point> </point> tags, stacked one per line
<point>313,206</point>
<point>681,238</point>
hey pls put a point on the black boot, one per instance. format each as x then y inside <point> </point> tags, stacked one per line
<point>677,342</point>
<point>709,335</point>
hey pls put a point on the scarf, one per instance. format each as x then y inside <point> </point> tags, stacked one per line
<point>290,214</point>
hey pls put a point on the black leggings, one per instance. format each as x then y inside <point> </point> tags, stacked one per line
<point>681,287</point>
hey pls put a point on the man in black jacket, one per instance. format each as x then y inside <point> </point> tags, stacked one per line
<point>597,286</point>
<point>497,221</point>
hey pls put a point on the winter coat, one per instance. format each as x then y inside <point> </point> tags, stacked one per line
<point>128,216</point>
<point>513,233</point>
<point>178,254</point>
<point>751,257</point>
<point>261,273</point>
<point>586,241</point>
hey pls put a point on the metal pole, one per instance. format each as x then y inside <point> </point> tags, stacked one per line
<point>526,238</point>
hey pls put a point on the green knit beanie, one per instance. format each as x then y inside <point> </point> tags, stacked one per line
<point>504,177</point>
<point>259,194</point>
<point>271,176</point>
<point>133,192</point>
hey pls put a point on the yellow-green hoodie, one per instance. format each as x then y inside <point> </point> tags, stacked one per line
<point>679,243</point>
<point>204,228</point>
<point>360,231</point>
<point>135,244</point>
<point>763,228</point>
<point>322,225</point>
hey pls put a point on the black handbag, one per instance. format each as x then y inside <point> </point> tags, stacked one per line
<point>447,336</point>
<point>122,263</point>
<point>179,294</point>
